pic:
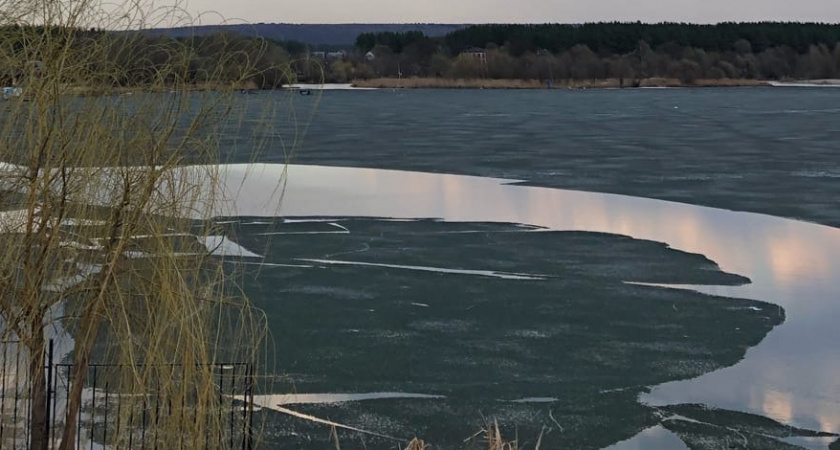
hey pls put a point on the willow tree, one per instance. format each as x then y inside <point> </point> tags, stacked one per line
<point>103,235</point>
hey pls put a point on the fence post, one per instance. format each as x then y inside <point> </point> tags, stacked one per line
<point>247,388</point>
<point>50,396</point>
<point>250,400</point>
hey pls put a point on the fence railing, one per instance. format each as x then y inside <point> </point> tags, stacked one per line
<point>117,414</point>
<point>14,404</point>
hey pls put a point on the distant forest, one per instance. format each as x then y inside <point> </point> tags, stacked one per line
<point>629,51</point>
<point>319,36</point>
<point>621,38</point>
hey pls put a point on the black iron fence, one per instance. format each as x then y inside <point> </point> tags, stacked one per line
<point>117,414</point>
<point>14,405</point>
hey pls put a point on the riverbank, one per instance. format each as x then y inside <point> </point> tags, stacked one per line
<point>103,91</point>
<point>481,83</point>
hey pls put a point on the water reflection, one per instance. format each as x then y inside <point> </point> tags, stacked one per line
<point>654,437</point>
<point>790,376</point>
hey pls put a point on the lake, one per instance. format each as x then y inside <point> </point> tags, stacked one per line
<point>622,269</point>
<point>532,305</point>
<point>769,150</point>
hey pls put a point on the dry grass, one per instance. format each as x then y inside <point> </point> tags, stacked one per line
<point>446,83</point>
<point>492,438</point>
<point>417,444</point>
<point>495,441</point>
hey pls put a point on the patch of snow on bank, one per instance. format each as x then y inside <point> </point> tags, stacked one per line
<point>222,246</point>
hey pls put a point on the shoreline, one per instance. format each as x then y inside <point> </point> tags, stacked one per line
<point>462,83</point>
<point>610,83</point>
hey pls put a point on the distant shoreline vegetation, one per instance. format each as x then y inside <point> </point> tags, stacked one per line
<point>588,55</point>
<point>627,52</point>
<point>139,61</point>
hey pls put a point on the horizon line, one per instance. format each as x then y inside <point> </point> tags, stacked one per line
<point>744,22</point>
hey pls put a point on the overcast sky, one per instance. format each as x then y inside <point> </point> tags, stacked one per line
<point>520,11</point>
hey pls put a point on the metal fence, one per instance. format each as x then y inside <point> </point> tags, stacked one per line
<point>116,414</point>
<point>14,404</point>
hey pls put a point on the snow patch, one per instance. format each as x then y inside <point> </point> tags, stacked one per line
<point>222,246</point>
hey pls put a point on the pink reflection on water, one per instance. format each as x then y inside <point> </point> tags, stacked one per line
<point>790,376</point>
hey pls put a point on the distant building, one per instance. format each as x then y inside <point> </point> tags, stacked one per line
<point>329,56</point>
<point>477,53</point>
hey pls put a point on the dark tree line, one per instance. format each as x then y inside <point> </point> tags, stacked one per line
<point>623,37</point>
<point>626,51</point>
